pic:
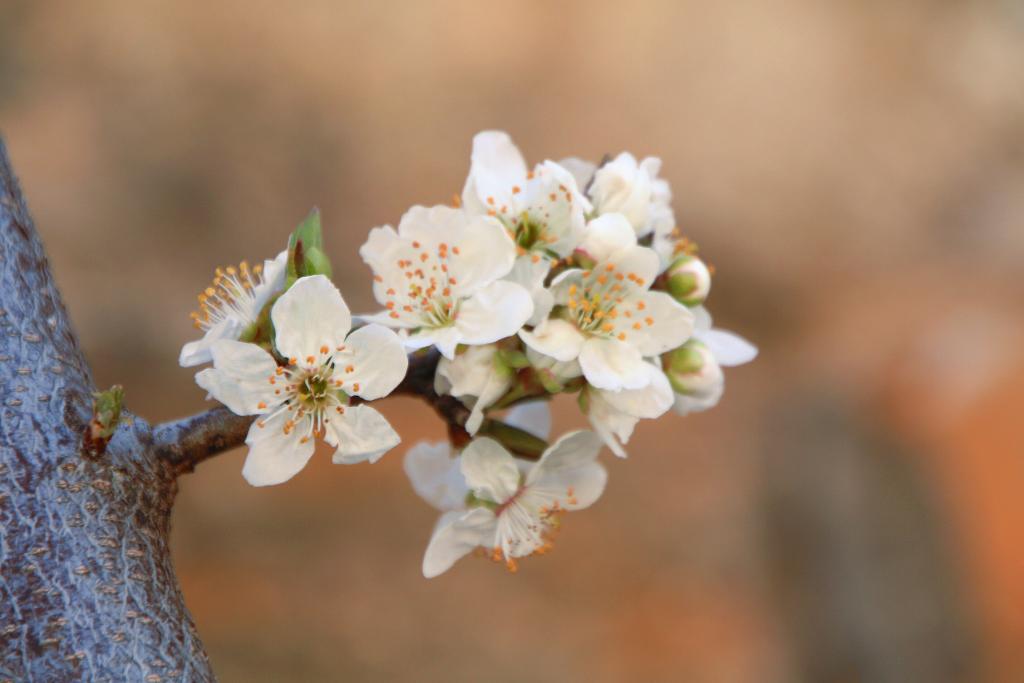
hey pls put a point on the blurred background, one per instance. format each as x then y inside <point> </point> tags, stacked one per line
<point>853,509</point>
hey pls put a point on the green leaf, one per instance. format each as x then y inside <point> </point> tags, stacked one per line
<point>513,358</point>
<point>306,254</point>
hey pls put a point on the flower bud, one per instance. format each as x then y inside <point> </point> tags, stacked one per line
<point>305,250</point>
<point>689,280</point>
<point>692,370</point>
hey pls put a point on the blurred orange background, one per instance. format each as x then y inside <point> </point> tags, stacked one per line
<point>852,511</point>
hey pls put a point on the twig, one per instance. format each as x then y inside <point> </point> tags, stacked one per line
<point>187,442</point>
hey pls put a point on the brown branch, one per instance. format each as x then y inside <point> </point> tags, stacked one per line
<point>187,442</point>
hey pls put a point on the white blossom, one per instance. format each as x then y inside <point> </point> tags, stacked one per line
<point>542,209</point>
<point>434,470</point>
<point>629,187</point>
<point>231,304</point>
<point>477,376</point>
<point>606,316</point>
<point>439,278</point>
<point>516,506</point>
<point>614,414</point>
<point>309,396</point>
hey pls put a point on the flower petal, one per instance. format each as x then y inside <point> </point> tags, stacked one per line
<point>309,316</point>
<point>612,364</point>
<point>240,377</point>
<point>436,476</point>
<point>671,324</point>
<point>696,403</point>
<point>455,536</point>
<point>568,471</point>
<point>490,470</point>
<point>360,434</point>
<point>701,319</point>
<point>199,351</point>
<point>378,361</point>
<point>648,402</point>
<point>496,166</point>
<point>495,312</point>
<point>728,349</point>
<point>474,373</point>
<point>274,455</point>
<point>530,271</point>
<point>556,338</point>
<point>582,171</point>
<point>608,235</point>
<point>275,272</point>
<point>533,417</point>
<point>642,262</point>
<point>613,426</point>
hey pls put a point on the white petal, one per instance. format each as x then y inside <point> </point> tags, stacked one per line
<point>613,426</point>
<point>563,371</point>
<point>240,377</point>
<point>435,475</point>
<point>706,400</point>
<point>274,456</point>
<point>490,470</point>
<point>728,349</point>
<point>649,402</point>
<point>497,311</point>
<point>496,166</point>
<point>200,351</point>
<point>642,262</point>
<point>701,319</point>
<point>671,324</point>
<point>530,270</point>
<point>624,186</point>
<point>552,199</point>
<point>608,235</point>
<point>378,362</point>
<point>274,273</point>
<point>407,321</point>
<point>612,364</point>
<point>556,338</point>
<point>582,171</point>
<point>361,434</point>
<point>446,339</point>
<point>468,372</point>
<point>474,373</point>
<point>568,471</point>
<point>456,535</point>
<point>485,253</point>
<point>309,316</point>
<point>533,417</point>
<point>381,251</point>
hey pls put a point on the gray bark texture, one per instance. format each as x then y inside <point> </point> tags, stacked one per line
<point>87,589</point>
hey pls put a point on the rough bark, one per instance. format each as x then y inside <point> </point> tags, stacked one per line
<point>87,589</point>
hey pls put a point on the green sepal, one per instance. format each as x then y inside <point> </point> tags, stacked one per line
<point>306,250</point>
<point>473,502</point>
<point>513,358</point>
<point>547,379</point>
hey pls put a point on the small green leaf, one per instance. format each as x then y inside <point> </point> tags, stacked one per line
<point>305,250</point>
<point>513,358</point>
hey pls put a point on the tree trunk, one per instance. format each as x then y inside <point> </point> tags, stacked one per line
<point>87,588</point>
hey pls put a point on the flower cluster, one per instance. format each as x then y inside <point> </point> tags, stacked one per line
<point>564,278</point>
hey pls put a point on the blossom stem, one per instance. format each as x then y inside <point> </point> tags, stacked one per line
<point>518,441</point>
